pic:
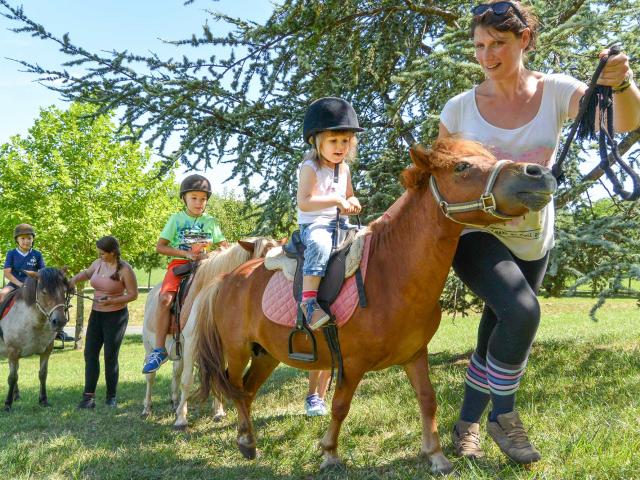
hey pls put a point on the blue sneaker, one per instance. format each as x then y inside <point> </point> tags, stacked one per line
<point>314,314</point>
<point>155,360</point>
<point>314,406</point>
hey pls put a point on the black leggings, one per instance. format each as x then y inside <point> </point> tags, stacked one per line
<point>508,286</point>
<point>105,328</point>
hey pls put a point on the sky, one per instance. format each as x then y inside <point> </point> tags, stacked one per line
<point>138,26</point>
<point>135,25</point>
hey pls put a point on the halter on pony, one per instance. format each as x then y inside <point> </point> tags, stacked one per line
<point>486,203</point>
<point>65,306</point>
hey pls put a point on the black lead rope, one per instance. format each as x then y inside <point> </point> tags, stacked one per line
<point>584,126</point>
<point>605,139</point>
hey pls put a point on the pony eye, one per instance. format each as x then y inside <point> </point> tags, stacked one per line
<point>462,166</point>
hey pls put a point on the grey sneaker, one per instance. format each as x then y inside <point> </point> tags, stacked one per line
<point>466,439</point>
<point>510,435</point>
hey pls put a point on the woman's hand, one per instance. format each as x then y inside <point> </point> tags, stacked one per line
<point>105,301</point>
<point>616,71</point>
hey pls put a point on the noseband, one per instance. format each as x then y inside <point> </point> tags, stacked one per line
<point>486,203</point>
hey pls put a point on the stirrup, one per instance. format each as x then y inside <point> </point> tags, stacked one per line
<point>303,328</point>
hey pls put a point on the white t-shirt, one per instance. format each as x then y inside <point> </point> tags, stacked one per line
<point>529,237</point>
<point>325,186</point>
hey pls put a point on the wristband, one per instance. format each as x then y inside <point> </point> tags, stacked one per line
<point>626,83</point>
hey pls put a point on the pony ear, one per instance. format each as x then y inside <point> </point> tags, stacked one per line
<point>420,156</point>
<point>65,270</point>
<point>248,246</point>
<point>283,241</point>
<point>33,275</point>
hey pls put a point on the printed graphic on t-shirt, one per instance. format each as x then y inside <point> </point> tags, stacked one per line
<point>192,235</point>
<point>531,234</point>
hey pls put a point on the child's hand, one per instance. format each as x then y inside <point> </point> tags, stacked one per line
<point>356,205</point>
<point>343,205</point>
<point>193,256</point>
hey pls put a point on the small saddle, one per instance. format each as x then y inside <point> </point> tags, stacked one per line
<point>334,275</point>
<point>186,272</point>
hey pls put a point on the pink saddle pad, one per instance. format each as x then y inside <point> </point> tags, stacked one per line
<point>279,306</point>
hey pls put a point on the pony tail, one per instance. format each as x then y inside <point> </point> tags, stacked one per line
<point>116,274</point>
<point>209,350</point>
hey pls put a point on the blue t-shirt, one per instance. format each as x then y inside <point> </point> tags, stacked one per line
<point>17,262</point>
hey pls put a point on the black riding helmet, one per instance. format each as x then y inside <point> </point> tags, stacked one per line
<point>329,113</point>
<point>195,183</point>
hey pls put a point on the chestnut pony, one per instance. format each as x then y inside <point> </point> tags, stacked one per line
<point>413,244</point>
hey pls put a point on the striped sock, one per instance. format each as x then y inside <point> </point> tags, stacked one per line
<point>504,380</point>
<point>476,390</point>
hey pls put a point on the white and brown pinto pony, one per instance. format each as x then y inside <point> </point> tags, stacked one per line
<point>37,313</point>
<point>218,262</point>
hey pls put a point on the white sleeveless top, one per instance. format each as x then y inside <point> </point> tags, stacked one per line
<point>324,186</point>
<point>528,237</point>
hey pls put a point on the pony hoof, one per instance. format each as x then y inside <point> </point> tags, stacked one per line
<point>145,414</point>
<point>247,452</point>
<point>7,408</point>
<point>180,428</point>
<point>332,465</point>
<point>45,404</point>
<point>440,465</point>
<point>219,417</point>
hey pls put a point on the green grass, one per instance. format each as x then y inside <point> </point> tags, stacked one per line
<point>579,397</point>
<point>157,275</point>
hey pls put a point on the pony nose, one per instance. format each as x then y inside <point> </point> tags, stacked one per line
<point>534,170</point>
<point>58,320</point>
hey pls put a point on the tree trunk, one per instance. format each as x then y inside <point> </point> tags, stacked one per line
<point>79,342</point>
<point>149,280</point>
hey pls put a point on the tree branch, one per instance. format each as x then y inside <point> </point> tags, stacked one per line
<point>570,12</point>
<point>447,16</point>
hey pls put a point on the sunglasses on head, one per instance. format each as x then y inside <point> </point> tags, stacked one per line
<point>498,8</point>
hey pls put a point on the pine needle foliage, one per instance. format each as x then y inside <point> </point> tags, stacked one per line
<point>397,61</point>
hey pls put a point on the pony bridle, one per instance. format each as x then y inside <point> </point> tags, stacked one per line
<point>48,314</point>
<point>486,203</point>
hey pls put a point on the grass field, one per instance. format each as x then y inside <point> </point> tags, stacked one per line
<point>580,398</point>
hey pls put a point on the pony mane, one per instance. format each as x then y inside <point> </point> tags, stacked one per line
<point>223,261</point>
<point>50,279</point>
<point>444,153</point>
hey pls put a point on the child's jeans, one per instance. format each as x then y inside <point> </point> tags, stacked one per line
<point>318,238</point>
